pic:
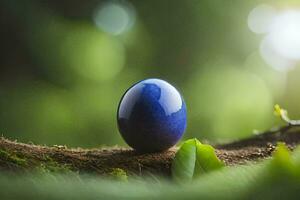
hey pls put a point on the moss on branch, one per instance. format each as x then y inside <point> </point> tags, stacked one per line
<point>22,157</point>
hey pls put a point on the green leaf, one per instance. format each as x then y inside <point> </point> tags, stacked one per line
<point>118,174</point>
<point>194,159</point>
<point>277,110</point>
<point>184,162</point>
<point>282,161</point>
<point>281,155</point>
<point>283,114</point>
<point>206,159</point>
<point>296,156</point>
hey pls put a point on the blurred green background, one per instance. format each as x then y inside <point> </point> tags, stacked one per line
<point>65,65</point>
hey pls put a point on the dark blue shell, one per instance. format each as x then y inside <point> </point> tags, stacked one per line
<point>151,116</point>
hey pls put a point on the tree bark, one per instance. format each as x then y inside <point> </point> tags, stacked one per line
<point>23,157</point>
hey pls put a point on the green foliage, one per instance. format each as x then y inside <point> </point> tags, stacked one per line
<point>183,165</point>
<point>12,158</point>
<point>283,114</point>
<point>282,160</point>
<point>118,174</point>
<point>194,159</point>
<point>285,164</point>
<point>273,179</point>
<point>52,166</point>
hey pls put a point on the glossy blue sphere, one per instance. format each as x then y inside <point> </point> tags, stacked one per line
<point>151,116</point>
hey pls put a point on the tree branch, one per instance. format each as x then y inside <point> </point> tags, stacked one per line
<point>18,156</point>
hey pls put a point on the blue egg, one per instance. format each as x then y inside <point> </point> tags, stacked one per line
<point>151,116</point>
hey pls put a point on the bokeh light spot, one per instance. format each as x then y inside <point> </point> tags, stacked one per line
<point>260,18</point>
<point>285,34</point>
<point>272,57</point>
<point>115,17</point>
<point>93,54</point>
<point>280,47</point>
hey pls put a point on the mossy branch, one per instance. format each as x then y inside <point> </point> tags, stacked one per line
<point>19,157</point>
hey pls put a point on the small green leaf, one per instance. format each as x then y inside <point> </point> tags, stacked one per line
<point>206,159</point>
<point>184,162</point>
<point>277,110</point>
<point>282,154</point>
<point>194,159</point>
<point>296,156</point>
<point>282,161</point>
<point>283,114</point>
<point>118,174</point>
